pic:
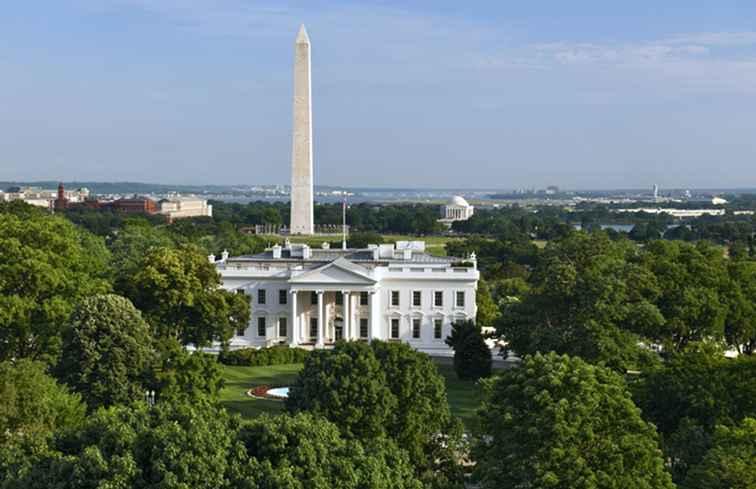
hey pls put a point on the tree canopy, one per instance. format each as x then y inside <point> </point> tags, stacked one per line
<point>559,422</point>
<point>107,351</point>
<point>46,265</point>
<point>178,290</point>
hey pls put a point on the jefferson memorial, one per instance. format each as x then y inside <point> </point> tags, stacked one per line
<point>313,297</point>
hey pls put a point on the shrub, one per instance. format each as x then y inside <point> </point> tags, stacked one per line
<point>274,355</point>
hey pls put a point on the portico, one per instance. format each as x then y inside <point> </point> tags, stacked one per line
<point>322,316</point>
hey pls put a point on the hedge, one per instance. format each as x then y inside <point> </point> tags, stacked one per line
<point>254,357</point>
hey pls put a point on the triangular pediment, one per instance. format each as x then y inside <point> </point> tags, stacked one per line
<point>340,271</point>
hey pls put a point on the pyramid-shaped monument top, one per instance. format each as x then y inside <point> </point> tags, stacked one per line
<point>302,37</point>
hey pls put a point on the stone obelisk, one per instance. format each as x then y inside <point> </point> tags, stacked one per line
<point>301,153</point>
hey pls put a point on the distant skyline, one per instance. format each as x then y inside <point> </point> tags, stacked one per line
<point>441,94</point>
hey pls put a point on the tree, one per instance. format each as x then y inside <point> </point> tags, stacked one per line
<point>557,421</point>
<point>730,463</point>
<point>488,311</point>
<point>591,298</point>
<point>46,266</point>
<point>424,425</point>
<point>185,376</point>
<point>303,451</point>
<point>472,357</point>
<point>172,446</point>
<point>107,351</point>
<point>348,386</point>
<point>740,324</point>
<point>179,292</point>
<point>693,284</point>
<point>384,391</point>
<point>689,396</point>
<point>32,403</point>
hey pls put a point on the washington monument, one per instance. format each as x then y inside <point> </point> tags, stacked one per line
<point>301,152</point>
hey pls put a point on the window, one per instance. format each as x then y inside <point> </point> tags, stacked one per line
<point>240,330</point>
<point>417,298</point>
<point>438,325</point>
<point>394,297</point>
<point>313,328</point>
<point>395,328</point>
<point>261,327</point>
<point>363,298</point>
<point>313,298</point>
<point>282,332</point>
<point>416,328</point>
<point>261,296</point>
<point>363,328</point>
<point>282,293</point>
<point>438,298</point>
<point>339,299</point>
<point>460,298</point>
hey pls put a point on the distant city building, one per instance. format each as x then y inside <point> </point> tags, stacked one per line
<point>136,205</point>
<point>552,190</point>
<point>676,212</point>
<point>176,208</point>
<point>656,192</point>
<point>456,209</point>
<point>303,296</point>
<point>718,201</point>
<point>49,199</point>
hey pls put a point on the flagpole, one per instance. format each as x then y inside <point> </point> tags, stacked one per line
<point>343,224</point>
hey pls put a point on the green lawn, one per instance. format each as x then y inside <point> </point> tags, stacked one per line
<point>464,396</point>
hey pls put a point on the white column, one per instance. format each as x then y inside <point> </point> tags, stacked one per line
<point>373,316</point>
<point>294,320</point>
<point>321,321</point>
<point>347,309</point>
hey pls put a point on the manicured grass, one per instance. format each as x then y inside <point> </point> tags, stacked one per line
<point>464,396</point>
<point>238,380</point>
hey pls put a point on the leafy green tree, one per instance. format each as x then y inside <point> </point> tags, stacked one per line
<point>559,422</point>
<point>424,425</point>
<point>472,357</point>
<point>730,462</point>
<point>171,446</point>
<point>488,311</point>
<point>303,451</point>
<point>693,284</point>
<point>182,375</point>
<point>107,351</point>
<point>348,386</point>
<point>691,394</point>
<point>384,391</point>
<point>589,298</point>
<point>179,292</point>
<point>740,324</point>
<point>46,266</point>
<point>32,403</point>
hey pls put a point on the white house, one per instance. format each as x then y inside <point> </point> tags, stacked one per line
<point>302,296</point>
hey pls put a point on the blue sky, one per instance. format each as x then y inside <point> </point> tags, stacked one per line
<point>589,94</point>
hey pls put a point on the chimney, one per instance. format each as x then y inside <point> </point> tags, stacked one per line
<point>276,251</point>
<point>224,256</point>
<point>211,258</point>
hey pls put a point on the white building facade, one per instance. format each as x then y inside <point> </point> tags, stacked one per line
<point>301,296</point>
<point>176,208</point>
